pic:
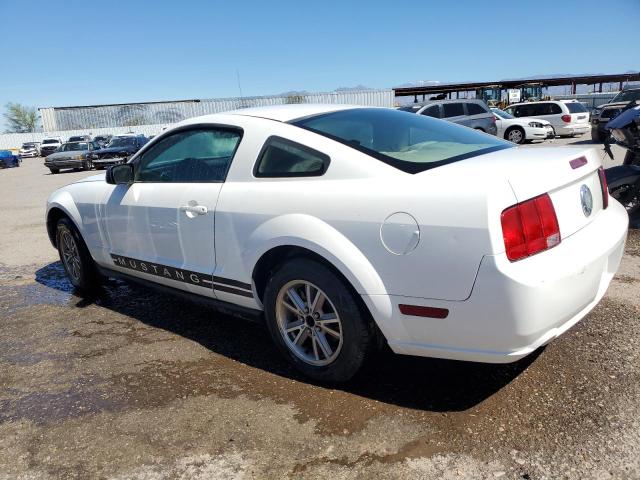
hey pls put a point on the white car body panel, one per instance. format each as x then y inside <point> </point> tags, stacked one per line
<point>578,125</point>
<point>499,310</point>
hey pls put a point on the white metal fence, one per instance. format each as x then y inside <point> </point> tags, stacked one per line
<point>149,118</point>
<point>102,116</point>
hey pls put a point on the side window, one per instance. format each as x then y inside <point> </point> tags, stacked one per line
<point>475,109</point>
<point>201,155</point>
<point>283,158</point>
<point>453,109</point>
<point>555,109</point>
<point>432,111</point>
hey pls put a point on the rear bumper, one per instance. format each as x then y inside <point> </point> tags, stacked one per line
<point>517,307</point>
<point>573,129</point>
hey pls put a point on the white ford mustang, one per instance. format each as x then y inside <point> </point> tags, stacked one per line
<point>348,226</point>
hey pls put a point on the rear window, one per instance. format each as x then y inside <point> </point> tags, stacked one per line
<point>575,107</point>
<point>452,109</point>
<point>412,143</point>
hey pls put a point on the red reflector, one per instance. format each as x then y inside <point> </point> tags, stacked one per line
<point>578,162</point>
<point>419,311</point>
<point>604,187</point>
<point>566,118</point>
<point>530,227</point>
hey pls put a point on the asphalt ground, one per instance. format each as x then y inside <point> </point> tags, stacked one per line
<point>134,384</point>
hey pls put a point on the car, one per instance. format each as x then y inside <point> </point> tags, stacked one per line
<point>602,114</point>
<point>29,149</point>
<point>470,113</point>
<point>521,130</point>
<point>569,118</point>
<point>79,138</point>
<point>345,228</point>
<point>117,151</point>
<point>49,145</point>
<point>74,155</point>
<point>8,159</point>
<point>102,140</point>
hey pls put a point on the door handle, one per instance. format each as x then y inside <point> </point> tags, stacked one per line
<point>193,210</point>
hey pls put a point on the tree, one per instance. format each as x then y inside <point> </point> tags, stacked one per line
<point>20,118</point>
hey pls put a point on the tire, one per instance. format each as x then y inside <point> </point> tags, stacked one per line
<point>330,350</point>
<point>595,136</point>
<point>515,135</point>
<point>54,171</point>
<point>75,257</point>
<point>88,165</point>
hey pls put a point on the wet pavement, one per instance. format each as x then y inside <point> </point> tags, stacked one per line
<point>135,384</point>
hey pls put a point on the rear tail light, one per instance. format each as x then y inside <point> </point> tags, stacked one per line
<point>566,118</point>
<point>530,227</point>
<point>604,187</point>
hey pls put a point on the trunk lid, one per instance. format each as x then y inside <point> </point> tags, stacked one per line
<point>568,174</point>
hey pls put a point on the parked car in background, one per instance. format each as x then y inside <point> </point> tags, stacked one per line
<point>102,140</point>
<point>568,118</point>
<point>602,114</point>
<point>75,155</point>
<point>521,130</point>
<point>470,113</point>
<point>278,211</point>
<point>118,150</point>
<point>8,159</point>
<point>79,138</point>
<point>49,145</point>
<point>29,149</point>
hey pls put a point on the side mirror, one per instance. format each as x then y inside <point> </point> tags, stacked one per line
<point>120,174</point>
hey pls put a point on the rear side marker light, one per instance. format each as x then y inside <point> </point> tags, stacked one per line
<point>566,118</point>
<point>530,227</point>
<point>578,162</point>
<point>420,311</point>
<point>604,187</point>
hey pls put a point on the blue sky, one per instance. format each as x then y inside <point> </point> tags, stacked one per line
<point>77,52</point>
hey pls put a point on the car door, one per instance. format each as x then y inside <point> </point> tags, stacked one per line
<point>454,112</point>
<point>161,227</point>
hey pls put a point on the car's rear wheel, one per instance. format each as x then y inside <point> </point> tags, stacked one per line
<point>88,165</point>
<point>75,256</point>
<point>515,135</point>
<point>316,322</point>
<point>595,136</point>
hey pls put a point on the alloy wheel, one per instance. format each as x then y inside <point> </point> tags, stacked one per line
<point>515,136</point>
<point>70,254</point>
<point>309,323</point>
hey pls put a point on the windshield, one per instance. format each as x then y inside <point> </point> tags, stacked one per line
<point>409,142</point>
<point>502,114</point>
<point>73,147</point>
<point>627,96</point>
<point>46,142</point>
<point>28,145</point>
<point>122,142</point>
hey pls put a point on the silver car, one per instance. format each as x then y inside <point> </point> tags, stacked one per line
<point>470,113</point>
<point>74,155</point>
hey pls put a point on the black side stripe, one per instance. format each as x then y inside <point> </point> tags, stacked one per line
<point>235,291</point>
<point>185,276</point>
<point>233,283</point>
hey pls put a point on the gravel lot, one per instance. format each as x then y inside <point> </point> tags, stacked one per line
<point>133,384</point>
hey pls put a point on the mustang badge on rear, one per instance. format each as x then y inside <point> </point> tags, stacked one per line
<point>586,199</point>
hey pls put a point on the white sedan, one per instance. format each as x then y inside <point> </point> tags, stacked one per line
<point>521,130</point>
<point>345,227</point>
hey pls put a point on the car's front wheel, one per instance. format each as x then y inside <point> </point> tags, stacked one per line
<point>54,171</point>
<point>316,322</point>
<point>75,256</point>
<point>515,135</point>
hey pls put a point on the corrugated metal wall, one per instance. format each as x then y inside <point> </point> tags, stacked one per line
<point>103,116</point>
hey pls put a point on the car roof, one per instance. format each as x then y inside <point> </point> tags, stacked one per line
<point>280,113</point>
